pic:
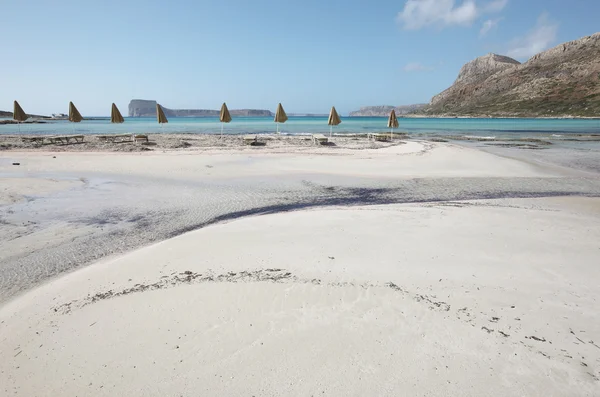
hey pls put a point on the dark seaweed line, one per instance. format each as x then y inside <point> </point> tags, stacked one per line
<point>368,197</point>
<point>262,275</point>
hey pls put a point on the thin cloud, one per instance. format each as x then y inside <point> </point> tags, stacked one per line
<point>495,6</point>
<point>416,67</point>
<point>538,39</point>
<point>488,26</point>
<point>418,14</point>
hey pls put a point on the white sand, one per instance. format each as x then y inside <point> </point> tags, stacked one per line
<point>333,325</point>
<point>16,189</point>
<point>412,159</point>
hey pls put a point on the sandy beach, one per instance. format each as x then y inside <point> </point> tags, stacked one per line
<point>359,268</point>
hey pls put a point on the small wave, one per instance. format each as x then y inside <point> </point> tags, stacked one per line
<point>479,137</point>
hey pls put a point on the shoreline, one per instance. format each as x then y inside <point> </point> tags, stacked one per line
<point>407,116</point>
<point>265,141</point>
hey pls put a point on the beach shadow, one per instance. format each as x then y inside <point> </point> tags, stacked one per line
<point>258,143</point>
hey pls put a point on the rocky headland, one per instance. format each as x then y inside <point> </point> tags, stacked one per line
<point>561,82</point>
<point>147,108</point>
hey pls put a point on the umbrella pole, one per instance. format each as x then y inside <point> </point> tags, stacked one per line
<point>278,128</point>
<point>221,130</point>
<point>330,130</point>
<point>19,123</point>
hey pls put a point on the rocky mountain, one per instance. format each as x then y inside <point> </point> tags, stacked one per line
<point>562,81</point>
<point>5,114</point>
<point>146,108</point>
<point>384,111</point>
<point>483,67</point>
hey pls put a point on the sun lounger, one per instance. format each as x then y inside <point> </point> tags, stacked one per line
<point>379,136</point>
<point>33,139</point>
<point>141,138</point>
<point>319,138</point>
<point>250,139</point>
<point>66,139</point>
<point>116,138</point>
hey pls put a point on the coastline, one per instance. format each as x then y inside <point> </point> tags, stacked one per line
<point>483,116</point>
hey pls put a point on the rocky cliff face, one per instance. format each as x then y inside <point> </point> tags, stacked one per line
<point>483,67</point>
<point>146,108</point>
<point>477,70</point>
<point>381,111</point>
<point>142,108</point>
<point>562,81</point>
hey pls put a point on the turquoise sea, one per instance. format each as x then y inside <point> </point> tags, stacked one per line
<point>498,128</point>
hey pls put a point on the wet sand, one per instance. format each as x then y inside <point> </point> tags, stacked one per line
<point>405,261</point>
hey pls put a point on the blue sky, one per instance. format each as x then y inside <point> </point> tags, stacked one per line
<point>308,54</point>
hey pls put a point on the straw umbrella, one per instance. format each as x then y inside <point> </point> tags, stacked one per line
<point>334,119</point>
<point>224,117</point>
<point>74,115</point>
<point>280,116</point>
<point>18,114</point>
<point>392,123</point>
<point>115,115</point>
<point>160,115</point>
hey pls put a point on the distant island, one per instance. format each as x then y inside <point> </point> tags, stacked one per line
<point>561,82</point>
<point>147,108</point>
<point>33,118</point>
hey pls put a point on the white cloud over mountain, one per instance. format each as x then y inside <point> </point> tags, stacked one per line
<point>418,14</point>
<point>538,39</point>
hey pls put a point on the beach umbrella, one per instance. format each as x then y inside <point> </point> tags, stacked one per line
<point>74,115</point>
<point>334,119</point>
<point>392,122</point>
<point>115,115</point>
<point>280,116</point>
<point>224,117</point>
<point>19,115</point>
<point>160,115</point>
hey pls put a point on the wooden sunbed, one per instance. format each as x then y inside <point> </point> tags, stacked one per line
<point>33,139</point>
<point>319,138</point>
<point>250,139</point>
<point>116,138</point>
<point>65,139</point>
<point>379,136</point>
